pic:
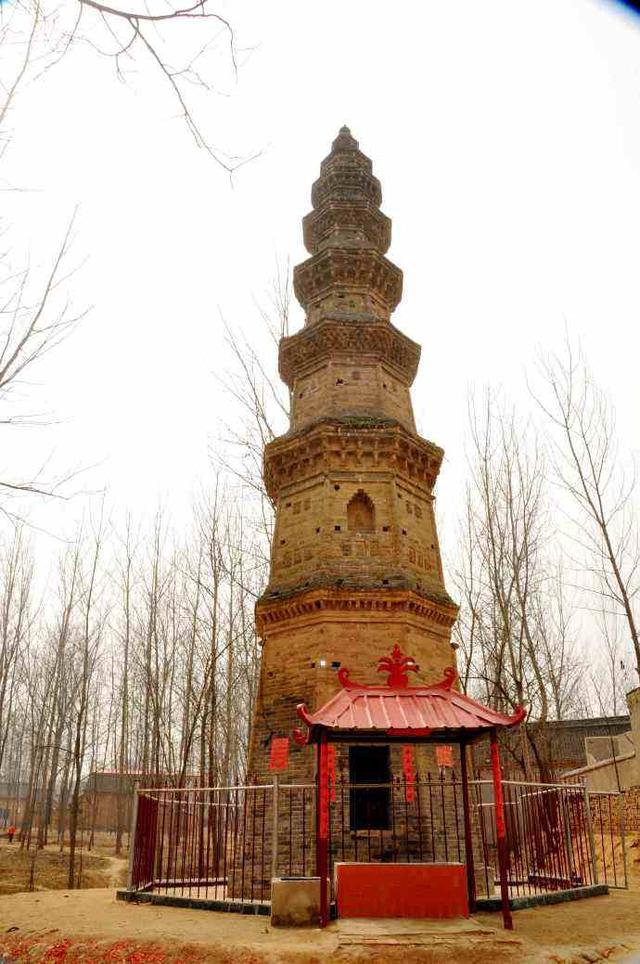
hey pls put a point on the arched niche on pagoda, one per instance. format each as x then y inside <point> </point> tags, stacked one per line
<point>361,513</point>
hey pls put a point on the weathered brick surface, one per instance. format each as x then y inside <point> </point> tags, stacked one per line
<point>606,811</point>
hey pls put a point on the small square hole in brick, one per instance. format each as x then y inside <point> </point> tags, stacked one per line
<point>385,528</point>
<point>337,528</point>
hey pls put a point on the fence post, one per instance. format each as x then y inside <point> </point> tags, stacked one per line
<point>567,832</point>
<point>322,822</point>
<point>592,842</point>
<point>274,834</point>
<point>468,836</point>
<point>623,842</point>
<point>132,838</point>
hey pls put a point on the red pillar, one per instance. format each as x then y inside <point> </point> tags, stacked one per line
<point>468,837</point>
<point>500,831</point>
<point>322,835</point>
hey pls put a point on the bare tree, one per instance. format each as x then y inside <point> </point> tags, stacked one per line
<point>262,401</point>
<point>85,668</point>
<point>155,669</point>
<point>16,620</point>
<point>178,43</point>
<point>513,631</point>
<point>32,323</point>
<point>589,469</point>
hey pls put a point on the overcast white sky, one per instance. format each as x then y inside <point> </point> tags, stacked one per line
<point>507,139</point>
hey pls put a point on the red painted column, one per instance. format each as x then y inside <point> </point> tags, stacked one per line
<point>500,831</point>
<point>468,837</point>
<point>322,835</point>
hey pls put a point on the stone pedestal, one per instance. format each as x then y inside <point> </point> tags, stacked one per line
<point>295,901</point>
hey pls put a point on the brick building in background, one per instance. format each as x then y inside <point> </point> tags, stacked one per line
<point>564,745</point>
<point>355,561</point>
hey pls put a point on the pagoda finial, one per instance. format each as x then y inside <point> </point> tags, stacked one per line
<point>345,141</point>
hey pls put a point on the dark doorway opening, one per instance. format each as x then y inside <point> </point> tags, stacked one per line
<point>369,805</point>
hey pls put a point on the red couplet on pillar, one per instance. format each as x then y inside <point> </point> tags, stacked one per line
<point>444,756</point>
<point>501,837</point>
<point>279,758</point>
<point>331,768</point>
<point>322,837</point>
<point>409,775</point>
<point>324,802</point>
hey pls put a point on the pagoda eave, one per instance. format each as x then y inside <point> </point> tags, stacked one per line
<point>322,447</point>
<point>332,335</point>
<point>336,270</point>
<point>336,217</point>
<point>322,602</point>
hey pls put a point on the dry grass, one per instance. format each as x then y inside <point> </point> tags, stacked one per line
<point>47,869</point>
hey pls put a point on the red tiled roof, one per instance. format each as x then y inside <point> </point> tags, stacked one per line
<point>402,710</point>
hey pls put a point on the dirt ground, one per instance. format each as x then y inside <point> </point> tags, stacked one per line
<point>47,869</point>
<point>90,926</point>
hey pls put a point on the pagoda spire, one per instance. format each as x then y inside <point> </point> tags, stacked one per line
<point>347,236</point>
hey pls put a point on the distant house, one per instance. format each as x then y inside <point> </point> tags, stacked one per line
<point>13,795</point>
<point>565,745</point>
<point>612,762</point>
<point>109,795</point>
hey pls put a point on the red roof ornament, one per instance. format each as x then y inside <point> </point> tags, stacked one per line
<point>450,677</point>
<point>397,666</point>
<point>401,710</point>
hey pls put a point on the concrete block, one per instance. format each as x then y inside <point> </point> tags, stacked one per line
<point>295,901</point>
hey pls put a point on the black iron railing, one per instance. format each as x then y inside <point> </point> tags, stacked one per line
<point>227,843</point>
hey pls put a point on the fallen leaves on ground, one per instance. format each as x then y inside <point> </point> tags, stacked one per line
<point>43,948</point>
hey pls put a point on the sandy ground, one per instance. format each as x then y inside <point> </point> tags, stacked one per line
<point>50,868</point>
<point>90,926</point>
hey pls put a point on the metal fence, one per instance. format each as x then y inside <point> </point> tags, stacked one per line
<point>558,837</point>
<point>216,843</point>
<point>398,822</point>
<point>203,843</point>
<point>608,816</point>
<point>226,843</point>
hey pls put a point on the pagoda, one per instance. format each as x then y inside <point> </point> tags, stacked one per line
<point>355,559</point>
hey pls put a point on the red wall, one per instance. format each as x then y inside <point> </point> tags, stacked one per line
<point>401,890</point>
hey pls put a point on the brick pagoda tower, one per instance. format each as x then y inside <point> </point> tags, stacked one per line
<point>355,561</point>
